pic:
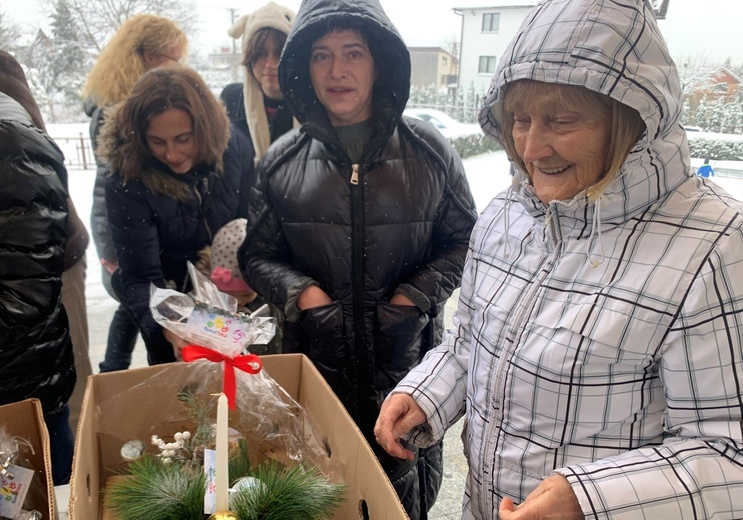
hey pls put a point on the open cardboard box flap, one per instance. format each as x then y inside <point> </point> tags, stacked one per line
<point>369,493</point>
<point>25,419</point>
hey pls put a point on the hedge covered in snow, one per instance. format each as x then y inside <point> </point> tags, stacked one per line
<point>718,147</point>
<point>474,145</point>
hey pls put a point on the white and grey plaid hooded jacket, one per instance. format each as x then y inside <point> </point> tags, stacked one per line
<point>600,340</point>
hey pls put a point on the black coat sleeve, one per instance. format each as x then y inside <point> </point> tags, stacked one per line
<point>432,284</point>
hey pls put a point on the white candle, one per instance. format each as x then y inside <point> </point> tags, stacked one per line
<point>222,478</point>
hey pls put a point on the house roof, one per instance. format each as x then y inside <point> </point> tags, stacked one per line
<point>495,4</point>
<point>727,72</point>
<point>426,49</point>
<point>660,6</point>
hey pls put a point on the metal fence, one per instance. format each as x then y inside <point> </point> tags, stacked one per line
<point>78,151</point>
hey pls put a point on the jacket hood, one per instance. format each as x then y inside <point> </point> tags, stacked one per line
<point>616,49</point>
<point>315,18</point>
<point>270,16</point>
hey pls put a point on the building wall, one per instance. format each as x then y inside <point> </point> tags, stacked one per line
<point>430,65</point>
<point>476,43</point>
<point>424,67</point>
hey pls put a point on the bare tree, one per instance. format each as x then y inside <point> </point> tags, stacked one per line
<point>10,33</point>
<point>97,20</point>
<point>450,44</point>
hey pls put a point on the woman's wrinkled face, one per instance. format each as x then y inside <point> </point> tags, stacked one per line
<point>563,145</point>
<point>342,73</point>
<point>265,67</point>
<point>171,140</point>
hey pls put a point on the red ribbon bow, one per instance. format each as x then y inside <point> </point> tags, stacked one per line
<point>249,363</point>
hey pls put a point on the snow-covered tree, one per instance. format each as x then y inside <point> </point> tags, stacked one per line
<point>70,59</point>
<point>97,20</point>
<point>10,33</point>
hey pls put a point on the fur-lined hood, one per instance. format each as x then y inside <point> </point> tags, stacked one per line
<point>271,16</point>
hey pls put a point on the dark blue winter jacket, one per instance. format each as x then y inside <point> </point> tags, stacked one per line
<point>161,220</point>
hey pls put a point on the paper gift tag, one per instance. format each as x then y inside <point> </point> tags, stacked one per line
<point>13,488</point>
<point>210,496</point>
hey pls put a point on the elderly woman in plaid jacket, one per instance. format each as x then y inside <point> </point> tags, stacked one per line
<point>597,352</point>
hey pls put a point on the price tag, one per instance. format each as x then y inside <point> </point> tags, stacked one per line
<point>13,488</point>
<point>210,496</point>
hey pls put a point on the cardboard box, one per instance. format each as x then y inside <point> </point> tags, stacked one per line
<point>25,419</point>
<point>369,493</point>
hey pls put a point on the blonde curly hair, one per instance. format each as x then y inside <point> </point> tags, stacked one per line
<point>121,63</point>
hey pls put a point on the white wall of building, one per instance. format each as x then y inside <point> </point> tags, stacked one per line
<point>708,33</point>
<point>476,43</point>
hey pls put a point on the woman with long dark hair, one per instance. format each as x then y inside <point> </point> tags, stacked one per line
<point>177,176</point>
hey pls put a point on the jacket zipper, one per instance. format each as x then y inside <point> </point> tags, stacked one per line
<point>497,375</point>
<point>357,280</point>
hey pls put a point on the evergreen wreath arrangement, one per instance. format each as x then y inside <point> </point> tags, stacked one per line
<point>171,484</point>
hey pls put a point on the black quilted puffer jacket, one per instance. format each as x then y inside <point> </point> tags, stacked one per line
<point>403,228</point>
<point>36,357</point>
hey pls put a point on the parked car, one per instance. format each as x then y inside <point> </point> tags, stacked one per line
<point>444,123</point>
<point>693,129</point>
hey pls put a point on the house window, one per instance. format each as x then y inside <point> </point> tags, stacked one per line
<point>487,65</point>
<point>490,22</point>
<point>444,61</point>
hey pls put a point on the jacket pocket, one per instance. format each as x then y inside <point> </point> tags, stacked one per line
<point>398,344</point>
<point>323,340</point>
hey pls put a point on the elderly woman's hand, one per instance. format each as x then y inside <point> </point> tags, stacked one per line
<point>553,499</point>
<point>399,414</point>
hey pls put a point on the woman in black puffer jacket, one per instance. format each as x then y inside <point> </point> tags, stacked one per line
<point>361,222</point>
<point>36,358</point>
<point>178,176</point>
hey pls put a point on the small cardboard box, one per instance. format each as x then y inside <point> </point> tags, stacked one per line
<point>25,419</point>
<point>369,494</point>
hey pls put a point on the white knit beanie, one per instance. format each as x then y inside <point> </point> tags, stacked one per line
<point>224,269</point>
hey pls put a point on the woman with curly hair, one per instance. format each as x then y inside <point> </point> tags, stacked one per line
<point>177,176</point>
<point>143,42</point>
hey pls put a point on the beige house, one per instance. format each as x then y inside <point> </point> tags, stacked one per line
<point>433,66</point>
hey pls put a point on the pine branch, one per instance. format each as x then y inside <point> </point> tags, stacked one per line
<point>239,465</point>
<point>154,490</point>
<point>298,493</point>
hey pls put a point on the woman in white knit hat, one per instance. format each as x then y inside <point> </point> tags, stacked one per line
<point>256,106</point>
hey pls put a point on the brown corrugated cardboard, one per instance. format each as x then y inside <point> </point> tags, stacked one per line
<point>25,419</point>
<point>369,493</point>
